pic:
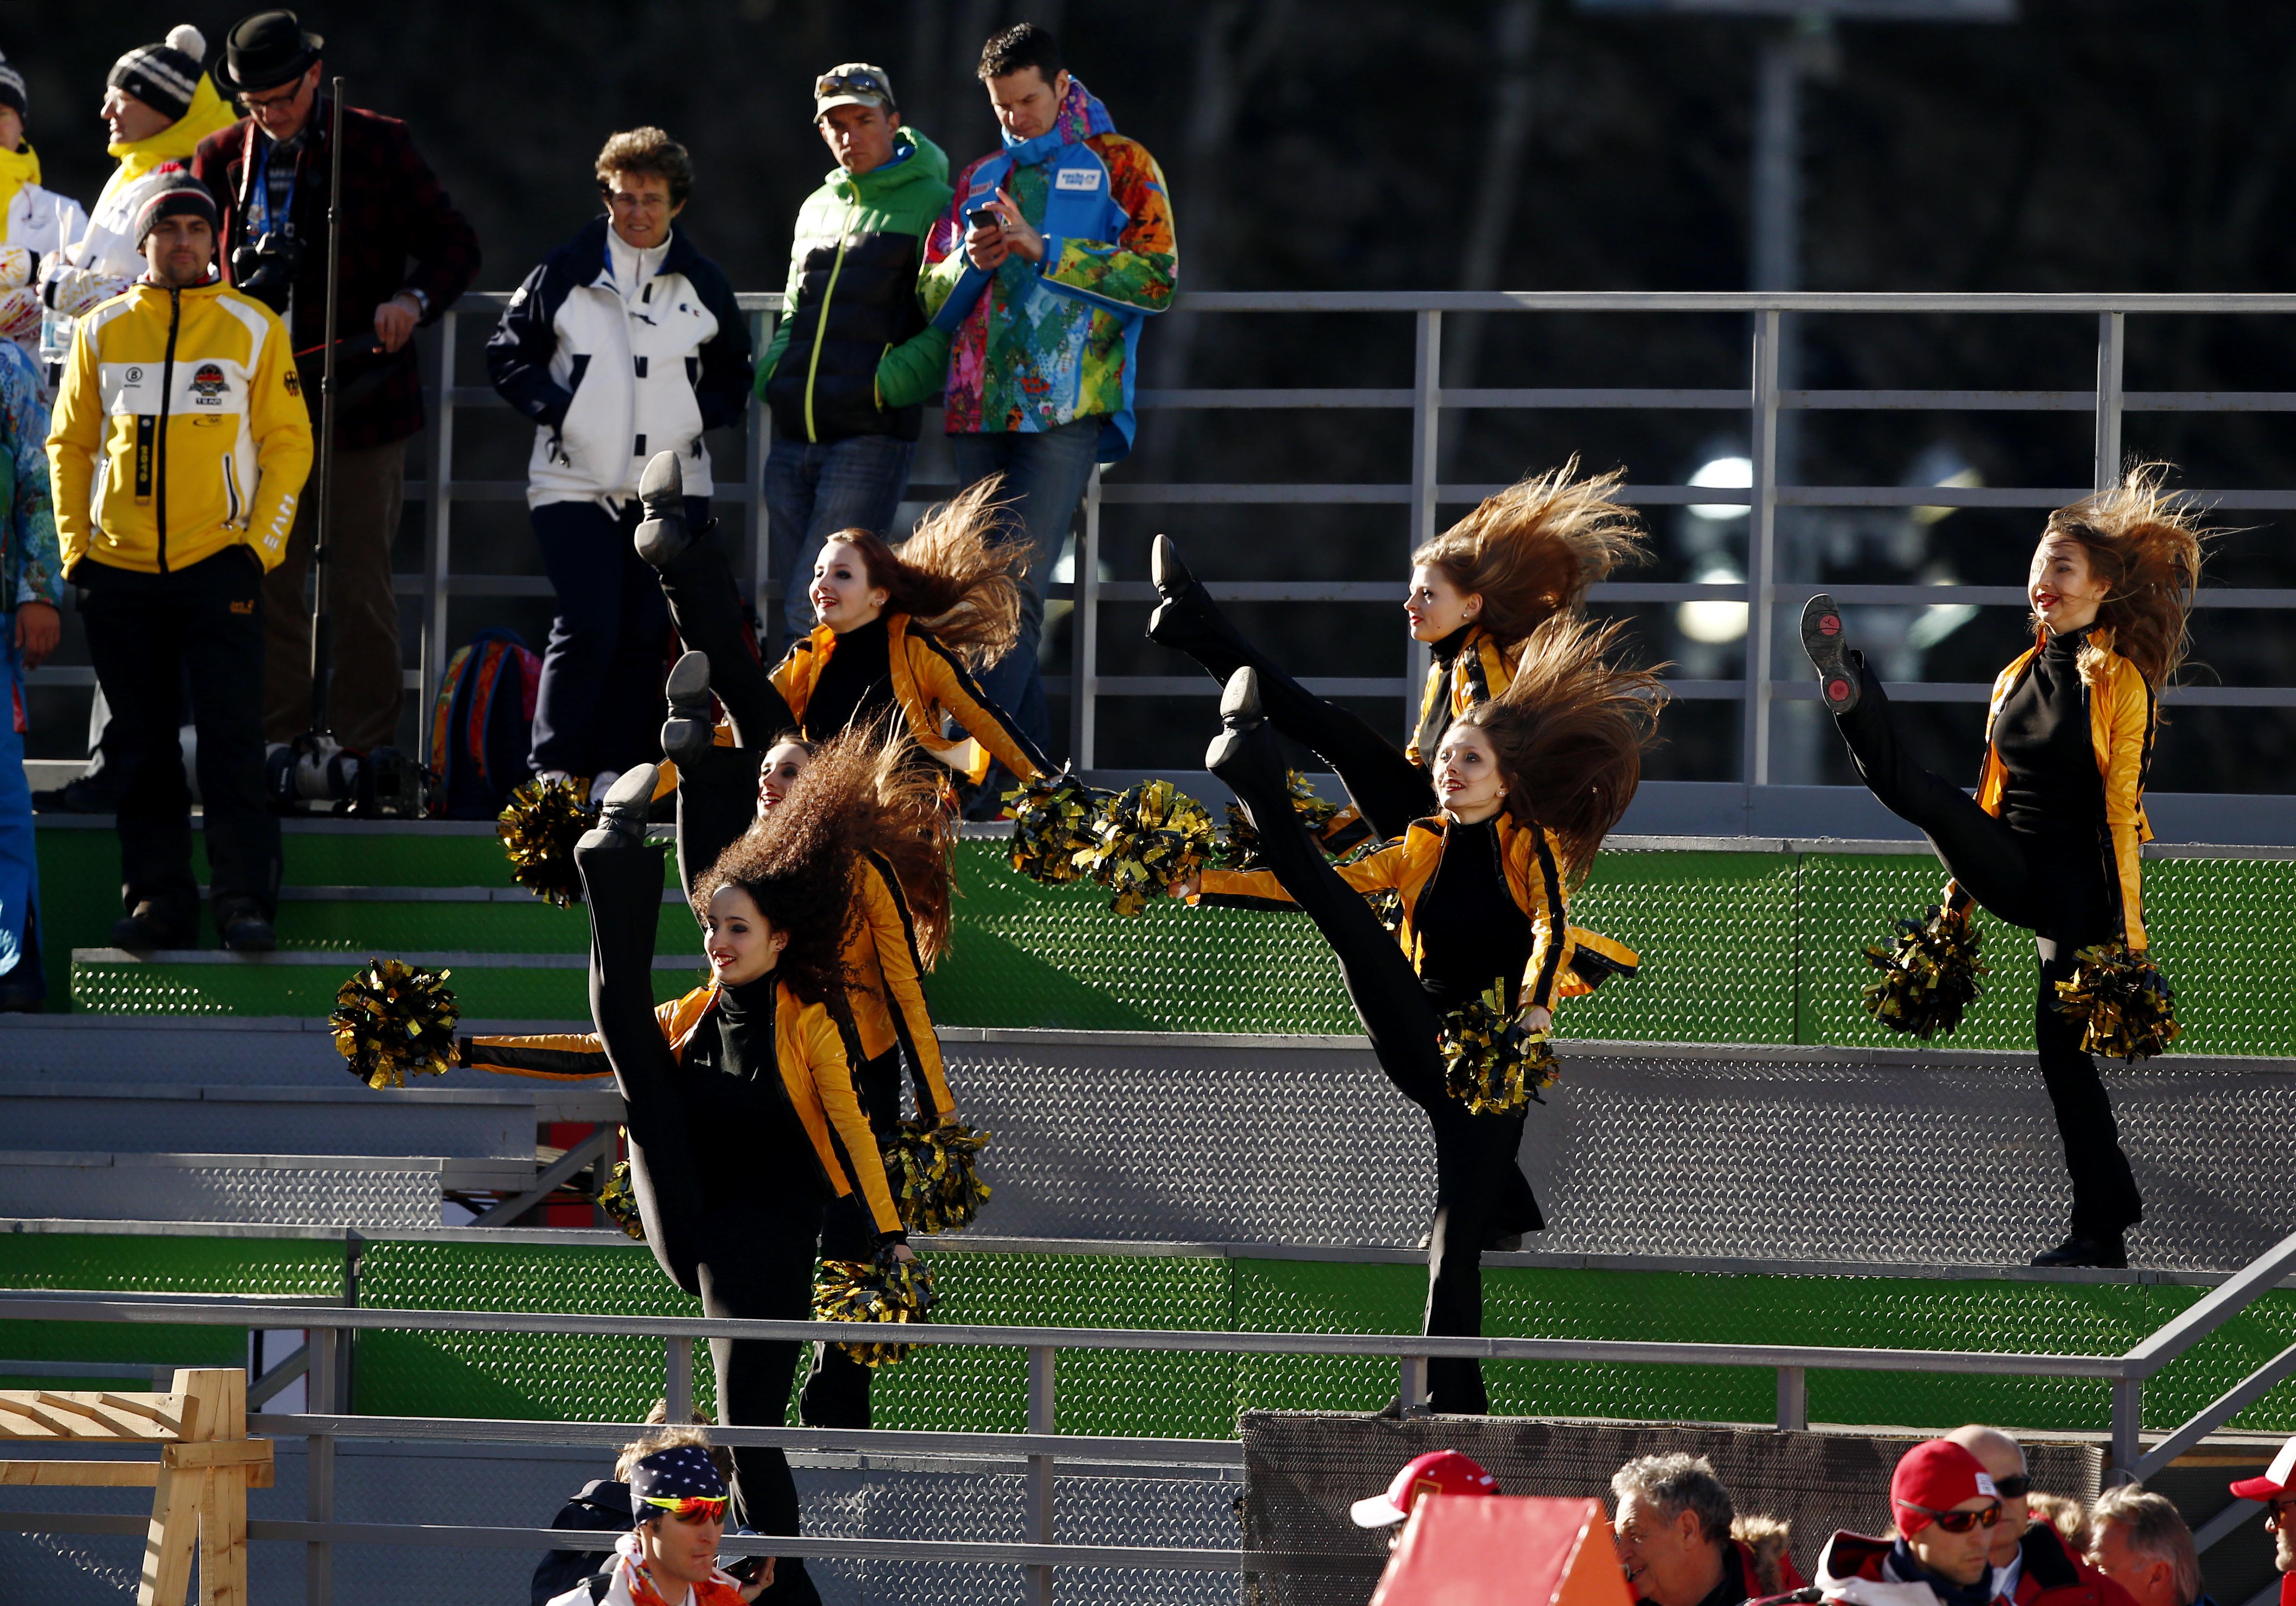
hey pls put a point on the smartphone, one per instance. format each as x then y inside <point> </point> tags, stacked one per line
<point>984,217</point>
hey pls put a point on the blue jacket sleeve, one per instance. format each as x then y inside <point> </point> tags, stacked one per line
<point>520,349</point>
<point>723,390</point>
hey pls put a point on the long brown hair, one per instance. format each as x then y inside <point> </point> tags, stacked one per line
<point>1570,732</point>
<point>2145,542</point>
<point>955,576</point>
<point>1532,551</point>
<point>895,799</point>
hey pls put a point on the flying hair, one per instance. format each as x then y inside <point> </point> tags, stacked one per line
<point>1532,551</point>
<point>2147,543</point>
<point>1570,732</point>
<point>955,576</point>
<point>899,816</point>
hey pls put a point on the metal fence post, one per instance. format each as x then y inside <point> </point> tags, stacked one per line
<point>1042,1418</point>
<point>1084,722</point>
<point>2112,365</point>
<point>437,540</point>
<point>2128,1422</point>
<point>677,1381</point>
<point>319,1465</point>
<point>758,428</point>
<point>1762,549</point>
<point>1793,1399</point>
<point>1426,459</point>
<point>1412,1383</point>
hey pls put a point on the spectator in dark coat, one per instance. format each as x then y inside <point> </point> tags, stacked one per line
<point>406,255</point>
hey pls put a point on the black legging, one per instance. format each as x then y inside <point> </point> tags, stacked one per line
<point>1386,785</point>
<point>1479,1188</point>
<point>2054,884</point>
<point>705,606</point>
<point>753,1259</point>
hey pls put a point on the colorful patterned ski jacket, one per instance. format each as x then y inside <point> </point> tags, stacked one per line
<point>2123,712</point>
<point>1038,345</point>
<point>1565,961</point>
<point>31,564</point>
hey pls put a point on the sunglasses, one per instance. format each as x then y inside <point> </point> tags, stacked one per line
<point>849,83</point>
<point>2014,1488</point>
<point>687,1508</point>
<point>1958,1522</point>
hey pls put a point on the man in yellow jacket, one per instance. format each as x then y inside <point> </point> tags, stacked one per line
<point>179,450</point>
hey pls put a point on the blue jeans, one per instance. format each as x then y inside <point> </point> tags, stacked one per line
<point>813,491</point>
<point>20,980</point>
<point>1045,477</point>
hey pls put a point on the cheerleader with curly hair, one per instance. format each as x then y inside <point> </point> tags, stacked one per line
<point>1530,783</point>
<point>2050,841</point>
<point>1478,593</point>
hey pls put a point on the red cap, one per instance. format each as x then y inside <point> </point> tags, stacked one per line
<point>1437,1472</point>
<point>2275,1480</point>
<point>1936,1475</point>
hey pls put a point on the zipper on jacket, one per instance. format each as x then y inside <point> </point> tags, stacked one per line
<point>820,321</point>
<point>230,491</point>
<point>167,393</point>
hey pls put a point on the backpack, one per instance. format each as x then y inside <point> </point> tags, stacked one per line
<point>481,727</point>
<point>602,1507</point>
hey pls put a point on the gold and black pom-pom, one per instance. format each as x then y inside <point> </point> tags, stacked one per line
<point>1240,848</point>
<point>1928,974</point>
<point>935,1172</point>
<point>393,1021</point>
<point>538,828</point>
<point>1051,827</point>
<point>2124,1006</point>
<point>619,1203</point>
<point>1490,1064</point>
<point>1144,839</point>
<point>888,1289</point>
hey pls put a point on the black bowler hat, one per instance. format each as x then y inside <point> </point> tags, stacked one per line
<point>265,50</point>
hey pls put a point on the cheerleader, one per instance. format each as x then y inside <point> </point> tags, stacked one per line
<point>742,1113</point>
<point>2050,841</point>
<point>1478,591</point>
<point>1529,783</point>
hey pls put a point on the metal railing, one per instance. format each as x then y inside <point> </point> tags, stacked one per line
<point>1041,1447</point>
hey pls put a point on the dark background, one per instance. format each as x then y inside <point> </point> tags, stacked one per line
<point>2094,145</point>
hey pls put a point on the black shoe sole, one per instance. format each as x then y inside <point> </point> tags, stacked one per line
<point>1172,577</point>
<point>687,688</point>
<point>661,489</point>
<point>1239,705</point>
<point>1822,639</point>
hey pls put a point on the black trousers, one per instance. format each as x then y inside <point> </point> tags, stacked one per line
<point>151,636</point>
<point>705,605</point>
<point>1479,1191</point>
<point>2054,884</point>
<point>1386,785</point>
<point>752,1259</point>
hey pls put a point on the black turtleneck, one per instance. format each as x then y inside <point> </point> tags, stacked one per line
<point>1909,1569</point>
<point>1436,718</point>
<point>1469,929</point>
<point>745,1128</point>
<point>2043,737</point>
<point>856,684</point>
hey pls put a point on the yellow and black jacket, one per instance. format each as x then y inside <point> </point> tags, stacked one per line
<point>888,992</point>
<point>180,429</point>
<point>928,681</point>
<point>807,1046</point>
<point>2123,713</point>
<point>1565,961</point>
<point>1479,672</point>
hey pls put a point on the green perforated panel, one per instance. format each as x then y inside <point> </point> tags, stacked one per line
<point>1716,933</point>
<point>1849,900</point>
<point>484,992</point>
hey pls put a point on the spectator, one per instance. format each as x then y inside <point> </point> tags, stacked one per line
<point>2062,1512</point>
<point>602,1504</point>
<point>1946,1510</point>
<point>625,342</point>
<point>1676,1533</point>
<point>269,172</point>
<point>1041,272</point>
<point>169,561</point>
<point>2140,1542</point>
<point>1437,1472</point>
<point>2277,1489</point>
<point>852,359</point>
<point>38,221</point>
<point>2033,1563</point>
<point>677,1499</point>
<point>32,584</point>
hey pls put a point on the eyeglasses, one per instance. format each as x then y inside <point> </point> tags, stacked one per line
<point>688,1508</point>
<point>1958,1522</point>
<point>2014,1488</point>
<point>278,100</point>
<point>851,83</point>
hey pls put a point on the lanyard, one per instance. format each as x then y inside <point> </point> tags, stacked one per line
<point>262,186</point>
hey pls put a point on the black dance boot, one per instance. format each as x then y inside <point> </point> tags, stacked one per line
<point>622,813</point>
<point>2081,1250</point>
<point>1186,619</point>
<point>662,491</point>
<point>688,731</point>
<point>1822,637</point>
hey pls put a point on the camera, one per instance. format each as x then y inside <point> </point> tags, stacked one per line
<point>265,269</point>
<point>383,785</point>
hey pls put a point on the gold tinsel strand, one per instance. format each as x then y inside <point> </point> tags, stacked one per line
<point>619,1203</point>
<point>1146,839</point>
<point>1051,827</point>
<point>1488,1065</point>
<point>2125,1007</point>
<point>1239,850</point>
<point>393,1021</point>
<point>538,828</point>
<point>935,1175</point>
<point>1928,974</point>
<point>891,1290</point>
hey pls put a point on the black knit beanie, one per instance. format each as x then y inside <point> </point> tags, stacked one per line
<point>12,88</point>
<point>163,77</point>
<point>180,196</point>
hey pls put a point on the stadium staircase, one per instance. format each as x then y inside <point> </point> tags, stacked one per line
<point>1188,1134</point>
